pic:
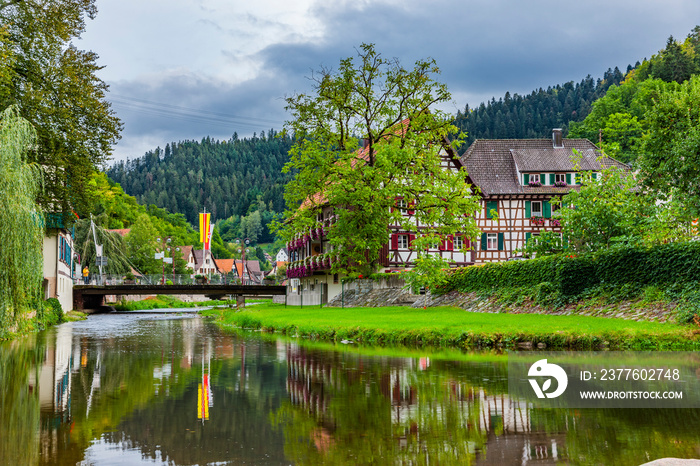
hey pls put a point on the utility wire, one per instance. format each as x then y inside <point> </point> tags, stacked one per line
<point>187,113</point>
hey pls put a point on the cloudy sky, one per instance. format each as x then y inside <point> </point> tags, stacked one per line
<point>185,69</point>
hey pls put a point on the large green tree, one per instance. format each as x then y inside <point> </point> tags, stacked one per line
<point>394,110</point>
<point>56,88</point>
<point>671,156</point>
<point>21,222</point>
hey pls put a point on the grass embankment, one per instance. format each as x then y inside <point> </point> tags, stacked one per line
<point>453,327</point>
<point>161,302</point>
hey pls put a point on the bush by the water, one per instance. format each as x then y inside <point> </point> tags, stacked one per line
<point>571,276</point>
<point>161,302</point>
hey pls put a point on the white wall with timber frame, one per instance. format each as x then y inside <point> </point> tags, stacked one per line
<point>512,226</point>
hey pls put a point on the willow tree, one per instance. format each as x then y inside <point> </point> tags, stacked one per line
<point>396,111</point>
<point>21,223</point>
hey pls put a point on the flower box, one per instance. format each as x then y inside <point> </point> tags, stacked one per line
<point>539,221</point>
<point>560,184</point>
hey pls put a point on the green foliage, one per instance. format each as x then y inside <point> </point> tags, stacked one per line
<point>429,273</point>
<point>623,267</point>
<point>21,222</point>
<point>620,118</point>
<point>534,115</point>
<point>671,160</point>
<point>56,88</point>
<point>162,302</point>
<point>53,311</point>
<point>546,244</point>
<point>228,177</point>
<point>391,107</point>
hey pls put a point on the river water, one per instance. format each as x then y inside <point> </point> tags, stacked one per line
<point>174,389</point>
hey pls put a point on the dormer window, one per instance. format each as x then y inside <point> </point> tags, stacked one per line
<point>532,179</point>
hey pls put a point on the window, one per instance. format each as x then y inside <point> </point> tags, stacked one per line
<point>536,208</point>
<point>560,178</point>
<point>492,241</point>
<point>491,206</point>
<point>458,243</point>
<point>335,278</point>
<point>403,242</point>
<point>535,178</point>
<point>402,205</point>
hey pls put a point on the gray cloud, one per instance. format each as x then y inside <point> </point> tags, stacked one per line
<point>484,48</point>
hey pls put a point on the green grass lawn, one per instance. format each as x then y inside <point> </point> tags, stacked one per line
<point>451,326</point>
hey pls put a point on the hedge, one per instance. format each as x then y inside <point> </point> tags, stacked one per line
<point>571,275</point>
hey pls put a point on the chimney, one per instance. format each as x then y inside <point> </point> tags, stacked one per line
<point>557,139</point>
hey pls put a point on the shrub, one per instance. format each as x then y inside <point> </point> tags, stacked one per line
<point>573,275</point>
<point>53,311</point>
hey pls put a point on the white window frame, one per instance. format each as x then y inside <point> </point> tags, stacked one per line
<point>402,205</point>
<point>492,241</point>
<point>535,178</point>
<point>560,177</point>
<point>402,242</point>
<point>457,243</point>
<point>532,209</point>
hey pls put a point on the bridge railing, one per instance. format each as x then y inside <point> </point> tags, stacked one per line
<point>170,279</point>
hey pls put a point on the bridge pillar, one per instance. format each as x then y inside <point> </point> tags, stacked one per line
<point>240,301</point>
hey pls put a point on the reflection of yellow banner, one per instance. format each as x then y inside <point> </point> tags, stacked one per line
<point>695,226</point>
<point>204,227</point>
<point>202,402</point>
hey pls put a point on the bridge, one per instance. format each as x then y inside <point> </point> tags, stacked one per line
<point>93,296</point>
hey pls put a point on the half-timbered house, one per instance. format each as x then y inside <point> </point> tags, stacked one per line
<point>311,256</point>
<point>518,179</point>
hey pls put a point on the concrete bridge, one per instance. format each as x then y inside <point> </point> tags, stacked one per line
<point>93,296</point>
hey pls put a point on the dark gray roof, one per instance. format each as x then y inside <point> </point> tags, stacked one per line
<point>494,165</point>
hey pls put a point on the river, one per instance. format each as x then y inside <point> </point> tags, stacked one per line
<point>174,389</point>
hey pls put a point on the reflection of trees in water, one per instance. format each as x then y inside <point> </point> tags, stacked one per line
<point>624,436</point>
<point>238,427</point>
<point>347,409</point>
<point>318,406</point>
<point>19,401</point>
<point>344,409</point>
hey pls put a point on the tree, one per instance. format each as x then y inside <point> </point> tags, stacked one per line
<point>56,88</point>
<point>141,244</point>
<point>392,108</point>
<point>611,210</point>
<point>671,157</point>
<point>21,231</point>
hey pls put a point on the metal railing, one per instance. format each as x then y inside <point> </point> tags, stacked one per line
<point>157,279</point>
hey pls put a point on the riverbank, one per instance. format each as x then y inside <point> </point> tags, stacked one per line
<point>449,326</point>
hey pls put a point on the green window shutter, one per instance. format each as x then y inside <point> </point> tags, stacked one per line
<point>594,175</point>
<point>526,178</point>
<point>543,178</point>
<point>568,178</point>
<point>528,211</point>
<point>528,235</point>
<point>500,241</point>
<point>565,240</point>
<point>491,205</point>
<point>483,241</point>
<point>551,179</point>
<point>577,178</point>
<point>547,209</point>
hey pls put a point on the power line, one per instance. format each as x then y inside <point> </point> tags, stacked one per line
<point>179,112</point>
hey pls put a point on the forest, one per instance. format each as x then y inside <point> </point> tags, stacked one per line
<point>240,180</point>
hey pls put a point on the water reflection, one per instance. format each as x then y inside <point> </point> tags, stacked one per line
<point>135,389</point>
